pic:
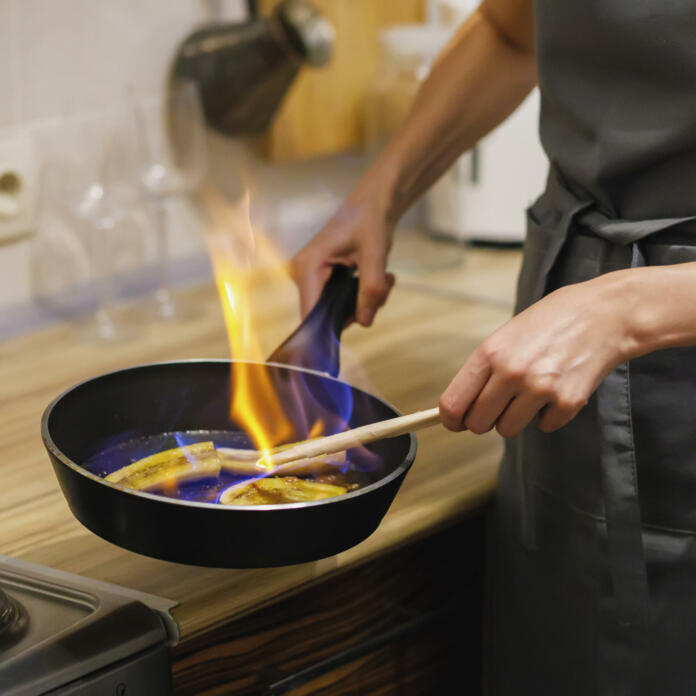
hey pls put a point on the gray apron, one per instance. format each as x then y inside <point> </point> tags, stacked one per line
<point>592,547</point>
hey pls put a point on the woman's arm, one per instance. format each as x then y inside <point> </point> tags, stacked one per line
<point>550,358</point>
<point>661,304</point>
<point>479,79</point>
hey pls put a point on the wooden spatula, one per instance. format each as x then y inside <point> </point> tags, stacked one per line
<point>356,437</point>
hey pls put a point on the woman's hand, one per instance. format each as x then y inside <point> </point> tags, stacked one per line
<point>359,234</point>
<point>547,360</point>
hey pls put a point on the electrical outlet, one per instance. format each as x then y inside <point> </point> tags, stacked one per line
<point>19,182</point>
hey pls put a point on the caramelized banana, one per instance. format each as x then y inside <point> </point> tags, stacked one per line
<point>278,490</point>
<point>170,468</point>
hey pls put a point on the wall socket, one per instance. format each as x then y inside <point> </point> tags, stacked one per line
<point>19,183</point>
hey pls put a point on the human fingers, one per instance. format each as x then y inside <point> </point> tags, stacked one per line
<point>519,414</point>
<point>561,410</point>
<point>374,282</point>
<point>461,392</point>
<point>490,403</point>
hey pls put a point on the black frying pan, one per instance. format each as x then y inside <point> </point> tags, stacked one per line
<point>194,395</point>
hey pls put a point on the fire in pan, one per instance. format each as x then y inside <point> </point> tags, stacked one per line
<point>97,428</point>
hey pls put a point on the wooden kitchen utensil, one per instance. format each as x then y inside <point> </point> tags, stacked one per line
<point>356,437</point>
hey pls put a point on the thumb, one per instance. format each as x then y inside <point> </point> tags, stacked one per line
<point>374,285</point>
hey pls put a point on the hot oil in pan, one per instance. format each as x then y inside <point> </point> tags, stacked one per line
<point>360,468</point>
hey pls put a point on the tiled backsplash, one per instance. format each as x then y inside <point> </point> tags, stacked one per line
<point>70,56</point>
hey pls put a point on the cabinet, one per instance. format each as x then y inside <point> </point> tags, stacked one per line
<point>407,623</point>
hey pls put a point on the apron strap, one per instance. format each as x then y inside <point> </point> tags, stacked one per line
<point>625,232</point>
<point>568,209</point>
<point>625,613</point>
<point>620,489</point>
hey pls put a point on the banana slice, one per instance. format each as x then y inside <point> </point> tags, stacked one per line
<point>169,468</point>
<point>247,463</point>
<point>278,490</point>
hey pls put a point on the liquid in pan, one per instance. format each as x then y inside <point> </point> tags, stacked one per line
<point>221,467</point>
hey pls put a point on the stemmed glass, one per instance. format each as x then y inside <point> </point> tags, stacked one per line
<point>171,133</point>
<point>88,186</point>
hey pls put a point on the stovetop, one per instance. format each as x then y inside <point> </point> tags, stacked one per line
<point>56,627</point>
<point>14,621</point>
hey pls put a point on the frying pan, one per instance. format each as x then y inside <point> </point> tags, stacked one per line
<point>195,395</point>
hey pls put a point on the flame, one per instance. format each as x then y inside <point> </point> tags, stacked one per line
<point>236,252</point>
<point>316,430</point>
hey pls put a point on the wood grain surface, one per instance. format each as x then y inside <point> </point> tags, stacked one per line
<point>420,339</point>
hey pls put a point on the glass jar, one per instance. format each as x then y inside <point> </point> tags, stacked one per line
<point>406,52</point>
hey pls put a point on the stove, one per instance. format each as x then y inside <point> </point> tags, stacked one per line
<point>13,620</point>
<point>65,635</point>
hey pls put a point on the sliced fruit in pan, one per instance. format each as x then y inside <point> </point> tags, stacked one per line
<point>169,468</point>
<point>276,490</point>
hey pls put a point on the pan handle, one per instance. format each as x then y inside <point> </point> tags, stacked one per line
<point>315,342</point>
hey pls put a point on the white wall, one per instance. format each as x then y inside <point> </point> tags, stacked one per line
<point>85,51</point>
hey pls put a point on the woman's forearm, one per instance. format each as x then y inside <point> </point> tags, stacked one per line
<point>550,358</point>
<point>657,304</point>
<point>480,78</point>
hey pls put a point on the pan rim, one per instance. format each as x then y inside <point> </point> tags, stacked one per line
<point>63,459</point>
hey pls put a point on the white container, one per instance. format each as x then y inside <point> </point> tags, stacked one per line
<point>483,196</point>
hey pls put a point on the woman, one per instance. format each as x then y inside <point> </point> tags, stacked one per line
<point>592,563</point>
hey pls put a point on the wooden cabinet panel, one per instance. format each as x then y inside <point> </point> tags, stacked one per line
<point>323,110</point>
<point>408,623</point>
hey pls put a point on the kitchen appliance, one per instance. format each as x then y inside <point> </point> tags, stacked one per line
<point>484,194</point>
<point>482,197</point>
<point>243,70</point>
<point>65,635</point>
<point>194,396</point>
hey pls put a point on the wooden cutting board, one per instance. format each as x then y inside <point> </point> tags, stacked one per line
<point>323,111</point>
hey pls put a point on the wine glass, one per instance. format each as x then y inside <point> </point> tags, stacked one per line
<point>88,186</point>
<point>171,133</point>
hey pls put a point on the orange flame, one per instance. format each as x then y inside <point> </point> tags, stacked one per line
<point>235,252</point>
<point>317,429</point>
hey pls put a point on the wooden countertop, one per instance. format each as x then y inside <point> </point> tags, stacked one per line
<point>431,323</point>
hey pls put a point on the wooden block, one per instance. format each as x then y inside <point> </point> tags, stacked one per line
<point>323,111</point>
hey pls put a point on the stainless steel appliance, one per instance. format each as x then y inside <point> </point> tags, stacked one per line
<point>66,635</point>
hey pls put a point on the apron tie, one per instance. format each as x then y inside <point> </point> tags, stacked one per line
<point>617,451</point>
<point>620,490</point>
